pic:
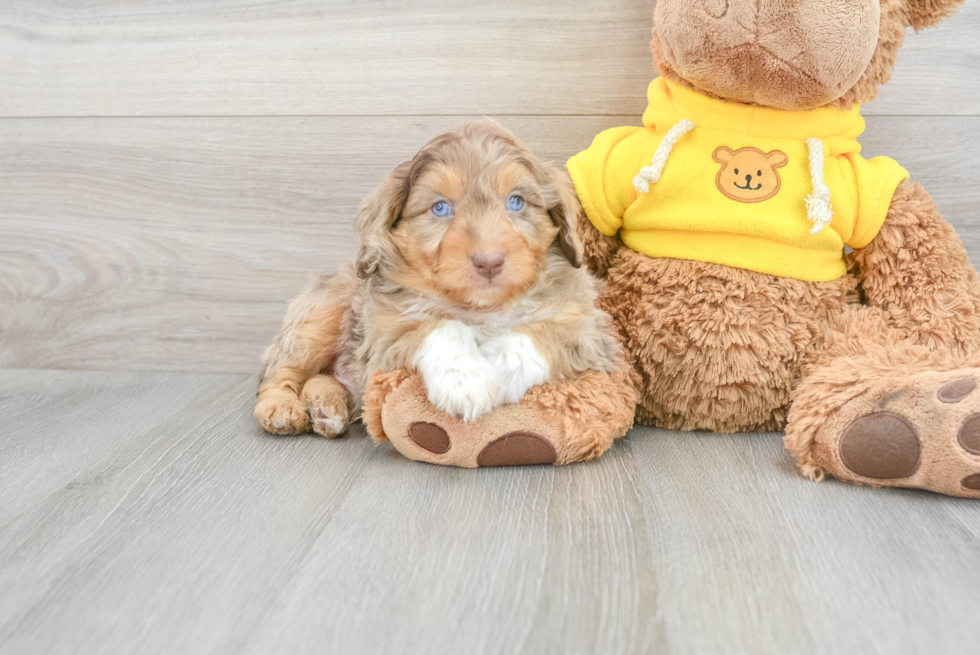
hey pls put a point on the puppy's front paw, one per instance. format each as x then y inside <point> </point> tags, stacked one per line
<point>467,388</point>
<point>518,363</point>
<point>328,403</point>
<point>282,413</point>
<point>458,379</point>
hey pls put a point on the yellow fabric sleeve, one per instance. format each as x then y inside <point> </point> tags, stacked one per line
<point>876,181</point>
<point>605,194</point>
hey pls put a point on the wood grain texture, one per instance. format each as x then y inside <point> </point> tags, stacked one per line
<point>380,57</point>
<point>174,244</point>
<point>179,527</point>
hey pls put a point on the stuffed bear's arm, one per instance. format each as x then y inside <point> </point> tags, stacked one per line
<point>599,249</point>
<point>917,269</point>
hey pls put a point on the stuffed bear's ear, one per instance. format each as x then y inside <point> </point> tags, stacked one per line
<point>777,159</point>
<point>375,218</point>
<point>928,13</point>
<point>564,207</point>
<point>723,155</point>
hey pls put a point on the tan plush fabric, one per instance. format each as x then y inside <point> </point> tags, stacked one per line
<point>757,53</point>
<point>858,371</point>
<point>753,53</point>
<point>578,418</point>
<point>902,382</point>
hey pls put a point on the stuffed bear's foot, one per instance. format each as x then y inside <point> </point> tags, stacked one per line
<point>904,428</point>
<point>572,421</point>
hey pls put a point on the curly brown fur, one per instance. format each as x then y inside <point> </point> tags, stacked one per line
<point>378,390</point>
<point>921,14</point>
<point>917,270</point>
<point>598,249</point>
<point>297,354</point>
<point>485,277</point>
<point>592,411</point>
<point>717,348</point>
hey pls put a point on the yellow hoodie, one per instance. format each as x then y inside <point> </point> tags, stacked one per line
<point>778,192</point>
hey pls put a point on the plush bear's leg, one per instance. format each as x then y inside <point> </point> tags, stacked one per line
<point>891,392</point>
<point>882,411</point>
<point>571,421</point>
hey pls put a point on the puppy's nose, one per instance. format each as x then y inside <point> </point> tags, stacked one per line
<point>748,178</point>
<point>489,264</point>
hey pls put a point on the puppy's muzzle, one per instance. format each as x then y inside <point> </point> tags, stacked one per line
<point>489,264</point>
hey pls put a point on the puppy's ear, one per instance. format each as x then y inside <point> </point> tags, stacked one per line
<point>375,218</point>
<point>564,207</point>
<point>929,13</point>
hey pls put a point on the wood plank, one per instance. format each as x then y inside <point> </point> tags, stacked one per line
<point>166,541</point>
<point>353,57</point>
<point>174,244</point>
<point>937,72</point>
<point>728,551</point>
<point>843,567</point>
<point>215,538</point>
<point>345,57</point>
<point>38,409</point>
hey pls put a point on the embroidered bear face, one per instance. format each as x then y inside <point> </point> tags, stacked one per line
<point>748,174</point>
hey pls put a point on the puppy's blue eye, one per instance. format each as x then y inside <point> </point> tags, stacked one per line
<point>442,209</point>
<point>515,203</point>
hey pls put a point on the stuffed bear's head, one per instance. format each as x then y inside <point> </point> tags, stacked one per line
<point>787,54</point>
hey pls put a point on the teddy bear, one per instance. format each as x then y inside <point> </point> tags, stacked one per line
<point>763,274</point>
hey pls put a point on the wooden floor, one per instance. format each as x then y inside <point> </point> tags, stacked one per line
<point>145,512</point>
<point>171,173</point>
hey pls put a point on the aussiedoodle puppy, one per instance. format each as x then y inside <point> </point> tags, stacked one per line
<point>468,273</point>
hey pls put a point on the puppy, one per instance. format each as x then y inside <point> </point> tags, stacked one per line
<point>468,273</point>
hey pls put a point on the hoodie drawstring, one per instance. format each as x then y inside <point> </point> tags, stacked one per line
<point>651,174</point>
<point>818,207</point>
